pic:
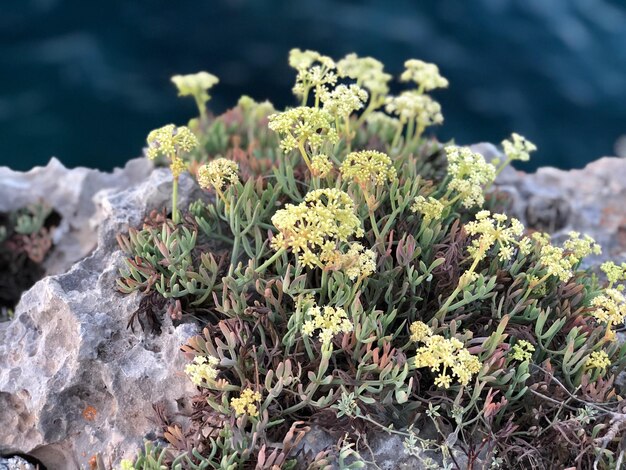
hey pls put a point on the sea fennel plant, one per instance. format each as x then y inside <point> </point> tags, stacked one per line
<point>352,273</point>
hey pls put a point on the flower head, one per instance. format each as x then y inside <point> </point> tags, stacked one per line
<point>170,141</point>
<point>246,403</point>
<point>518,148</point>
<point>556,263</point>
<point>579,247</point>
<point>218,173</point>
<point>411,105</point>
<point>368,167</point>
<point>344,100</point>
<point>420,331</point>
<point>303,126</point>
<point>614,273</point>
<point>325,216</point>
<point>610,307</point>
<point>329,320</point>
<point>195,84</point>
<point>469,172</point>
<point>598,360</point>
<point>522,351</point>
<point>431,208</point>
<point>202,370</point>
<point>496,230</point>
<point>314,71</point>
<point>448,358</point>
<point>367,71</point>
<point>424,74</point>
<point>321,165</point>
<point>358,262</point>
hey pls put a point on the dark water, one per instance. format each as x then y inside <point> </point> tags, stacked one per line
<point>85,81</point>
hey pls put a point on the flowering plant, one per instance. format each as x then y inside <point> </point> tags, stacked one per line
<point>348,267</point>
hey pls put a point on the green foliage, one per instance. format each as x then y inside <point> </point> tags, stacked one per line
<point>350,274</point>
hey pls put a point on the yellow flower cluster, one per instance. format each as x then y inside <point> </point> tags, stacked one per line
<point>424,74</point>
<point>367,72</point>
<point>368,167</point>
<point>321,165</point>
<point>329,320</point>
<point>522,351</point>
<point>170,141</point>
<point>431,208</point>
<point>344,100</point>
<point>614,273</point>
<point>195,84</point>
<point>610,307</point>
<point>448,357</point>
<point>581,247</point>
<point>420,331</point>
<point>493,230</point>
<point>246,403</point>
<point>518,148</point>
<point>126,464</point>
<point>303,125</point>
<point>177,166</point>
<point>325,216</point>
<point>469,172</point>
<point>556,263</point>
<point>357,262</point>
<point>314,71</point>
<point>202,370</point>
<point>218,173</point>
<point>598,360</point>
<point>411,105</point>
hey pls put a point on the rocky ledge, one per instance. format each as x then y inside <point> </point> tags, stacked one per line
<point>75,381</point>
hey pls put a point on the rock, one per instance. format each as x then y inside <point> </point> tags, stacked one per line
<point>70,193</point>
<point>74,381</point>
<point>16,463</point>
<point>590,201</point>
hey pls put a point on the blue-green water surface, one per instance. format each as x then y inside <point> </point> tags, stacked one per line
<point>86,81</point>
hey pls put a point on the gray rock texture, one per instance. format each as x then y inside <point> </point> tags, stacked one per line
<point>74,381</point>
<point>70,192</point>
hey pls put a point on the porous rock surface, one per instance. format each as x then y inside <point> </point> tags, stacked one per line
<point>70,192</point>
<point>74,381</point>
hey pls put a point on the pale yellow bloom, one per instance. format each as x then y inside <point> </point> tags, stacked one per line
<point>522,351</point>
<point>203,370</point>
<point>420,331</point>
<point>424,74</point>
<point>469,172</point>
<point>170,141</point>
<point>302,126</point>
<point>447,357</point>
<point>218,173</point>
<point>431,208</point>
<point>368,167</point>
<point>610,307</point>
<point>246,403</point>
<point>321,165</point>
<point>598,360</point>
<point>325,216</point>
<point>518,148</point>
<point>367,71</point>
<point>330,320</point>
<point>411,105</point>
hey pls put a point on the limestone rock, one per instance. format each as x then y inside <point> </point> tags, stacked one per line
<point>74,381</point>
<point>70,193</point>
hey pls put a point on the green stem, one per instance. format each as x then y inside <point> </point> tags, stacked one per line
<point>175,214</point>
<point>274,257</point>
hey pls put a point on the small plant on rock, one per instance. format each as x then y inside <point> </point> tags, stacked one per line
<point>352,272</point>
